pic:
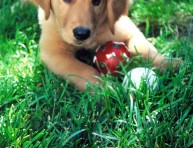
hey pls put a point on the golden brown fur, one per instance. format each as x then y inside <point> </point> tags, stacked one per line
<point>106,21</point>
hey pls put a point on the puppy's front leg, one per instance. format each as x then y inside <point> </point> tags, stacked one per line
<point>138,44</point>
<point>63,63</point>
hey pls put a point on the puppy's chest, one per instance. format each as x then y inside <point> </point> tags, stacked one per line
<point>86,56</point>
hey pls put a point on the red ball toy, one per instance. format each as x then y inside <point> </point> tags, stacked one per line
<point>109,56</point>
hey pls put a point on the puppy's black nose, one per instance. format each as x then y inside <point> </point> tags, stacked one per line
<point>81,33</point>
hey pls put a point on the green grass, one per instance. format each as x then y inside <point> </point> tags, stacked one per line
<point>39,109</point>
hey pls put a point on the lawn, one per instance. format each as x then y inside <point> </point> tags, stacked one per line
<point>39,109</point>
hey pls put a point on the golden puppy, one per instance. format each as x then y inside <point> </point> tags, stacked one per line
<point>70,25</point>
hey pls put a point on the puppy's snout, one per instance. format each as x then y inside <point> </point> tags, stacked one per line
<point>81,33</point>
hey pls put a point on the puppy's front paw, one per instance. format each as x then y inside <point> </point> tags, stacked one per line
<point>173,65</point>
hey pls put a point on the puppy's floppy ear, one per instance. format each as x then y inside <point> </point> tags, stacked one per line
<point>45,5</point>
<point>116,8</point>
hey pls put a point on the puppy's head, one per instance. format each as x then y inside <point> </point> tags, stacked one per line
<point>79,20</point>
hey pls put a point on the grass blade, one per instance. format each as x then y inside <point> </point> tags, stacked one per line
<point>72,136</point>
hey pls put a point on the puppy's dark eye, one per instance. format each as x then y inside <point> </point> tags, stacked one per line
<point>67,1</point>
<point>96,2</point>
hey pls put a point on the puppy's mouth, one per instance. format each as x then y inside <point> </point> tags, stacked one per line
<point>87,44</point>
<point>77,42</point>
<point>80,43</point>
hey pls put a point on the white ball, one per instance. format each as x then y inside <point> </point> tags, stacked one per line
<point>138,76</point>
